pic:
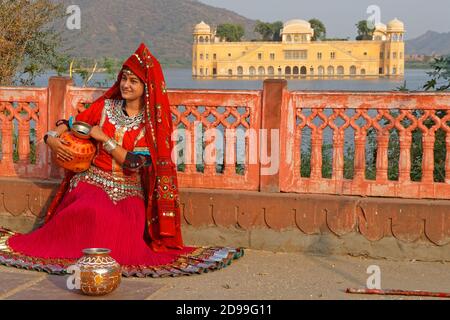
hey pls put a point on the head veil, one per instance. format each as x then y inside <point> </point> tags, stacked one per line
<point>160,179</point>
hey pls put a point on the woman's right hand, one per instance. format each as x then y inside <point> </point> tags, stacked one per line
<point>60,148</point>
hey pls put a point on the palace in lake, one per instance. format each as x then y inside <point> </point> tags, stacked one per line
<point>297,55</point>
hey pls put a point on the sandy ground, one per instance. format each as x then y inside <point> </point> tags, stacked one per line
<point>259,275</point>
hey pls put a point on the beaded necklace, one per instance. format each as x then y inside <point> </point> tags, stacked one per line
<point>118,118</point>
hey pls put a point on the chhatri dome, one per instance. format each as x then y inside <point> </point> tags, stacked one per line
<point>202,28</point>
<point>396,26</point>
<point>297,26</point>
<point>380,26</point>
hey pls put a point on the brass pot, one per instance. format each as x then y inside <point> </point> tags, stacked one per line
<point>100,274</point>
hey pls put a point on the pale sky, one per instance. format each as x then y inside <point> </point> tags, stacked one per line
<point>340,16</point>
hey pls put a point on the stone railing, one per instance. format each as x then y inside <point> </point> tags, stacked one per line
<point>344,143</point>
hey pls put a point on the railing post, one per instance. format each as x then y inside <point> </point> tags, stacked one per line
<point>273,95</point>
<point>57,91</point>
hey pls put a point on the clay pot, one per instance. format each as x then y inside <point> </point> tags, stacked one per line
<point>99,273</point>
<point>82,148</point>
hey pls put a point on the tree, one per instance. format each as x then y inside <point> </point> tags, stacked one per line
<point>27,46</point>
<point>269,31</point>
<point>364,32</point>
<point>230,32</point>
<point>440,77</point>
<point>276,27</point>
<point>320,32</point>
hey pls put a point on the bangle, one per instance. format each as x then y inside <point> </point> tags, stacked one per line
<point>53,134</point>
<point>61,122</point>
<point>110,145</point>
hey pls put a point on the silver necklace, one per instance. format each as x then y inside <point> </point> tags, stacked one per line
<point>117,117</point>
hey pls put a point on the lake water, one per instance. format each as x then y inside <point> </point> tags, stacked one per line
<point>182,79</point>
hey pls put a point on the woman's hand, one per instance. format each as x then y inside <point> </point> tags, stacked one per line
<point>98,134</point>
<point>60,148</point>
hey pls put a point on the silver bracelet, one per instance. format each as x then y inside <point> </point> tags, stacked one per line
<point>110,145</point>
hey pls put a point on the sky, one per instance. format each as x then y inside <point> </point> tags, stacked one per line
<point>340,16</point>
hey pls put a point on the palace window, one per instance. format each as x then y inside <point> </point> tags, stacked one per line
<point>394,55</point>
<point>201,71</point>
<point>333,55</point>
<point>260,56</point>
<point>296,54</point>
<point>380,71</point>
<point>394,70</point>
<point>201,56</point>
<point>214,56</point>
<point>272,56</point>
<point>319,55</point>
<point>229,55</point>
<point>207,56</point>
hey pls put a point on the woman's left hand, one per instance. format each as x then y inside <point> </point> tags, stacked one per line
<point>98,134</point>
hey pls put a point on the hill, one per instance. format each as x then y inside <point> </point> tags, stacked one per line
<point>115,28</point>
<point>429,44</point>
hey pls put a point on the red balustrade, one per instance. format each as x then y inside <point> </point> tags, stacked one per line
<point>382,113</point>
<point>345,143</point>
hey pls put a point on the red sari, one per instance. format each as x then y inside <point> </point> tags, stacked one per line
<point>140,220</point>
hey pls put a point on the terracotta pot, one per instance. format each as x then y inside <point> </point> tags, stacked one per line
<point>100,274</point>
<point>82,148</point>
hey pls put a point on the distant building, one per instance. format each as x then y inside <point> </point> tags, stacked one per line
<point>297,55</point>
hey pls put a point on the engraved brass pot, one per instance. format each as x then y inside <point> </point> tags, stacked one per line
<point>99,273</point>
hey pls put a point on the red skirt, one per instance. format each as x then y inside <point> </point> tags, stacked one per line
<point>87,218</point>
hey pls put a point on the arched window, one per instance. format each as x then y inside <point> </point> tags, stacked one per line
<point>271,71</point>
<point>311,71</point>
<point>295,70</point>
<point>330,70</point>
<point>340,70</point>
<point>201,40</point>
<point>287,70</point>
<point>303,70</point>
<point>289,38</point>
<point>321,70</point>
<point>207,39</point>
<point>363,71</point>
<point>261,71</point>
<point>352,70</point>
<point>252,71</point>
<point>230,72</point>
<point>240,71</point>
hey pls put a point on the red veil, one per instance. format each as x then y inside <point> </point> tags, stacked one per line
<point>160,179</point>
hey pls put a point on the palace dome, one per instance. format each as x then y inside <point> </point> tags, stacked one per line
<point>202,28</point>
<point>380,27</point>
<point>396,26</point>
<point>297,26</point>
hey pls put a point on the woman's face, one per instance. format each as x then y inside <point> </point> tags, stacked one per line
<point>131,86</point>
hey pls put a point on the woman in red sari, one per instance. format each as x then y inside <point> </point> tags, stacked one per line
<point>128,199</point>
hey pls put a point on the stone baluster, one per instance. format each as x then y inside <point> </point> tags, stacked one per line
<point>316,154</point>
<point>428,157</point>
<point>230,152</point>
<point>382,156</point>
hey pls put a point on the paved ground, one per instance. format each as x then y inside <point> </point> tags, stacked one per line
<point>259,275</point>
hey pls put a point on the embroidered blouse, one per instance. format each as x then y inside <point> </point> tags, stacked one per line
<point>129,132</point>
